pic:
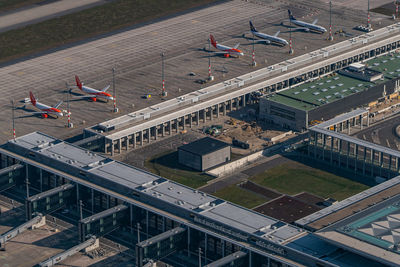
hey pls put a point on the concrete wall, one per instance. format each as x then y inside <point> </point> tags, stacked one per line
<point>189,159</point>
<point>232,166</point>
<point>215,158</point>
<point>298,123</point>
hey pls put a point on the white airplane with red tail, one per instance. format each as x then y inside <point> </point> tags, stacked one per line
<point>45,109</point>
<point>226,50</point>
<point>93,94</point>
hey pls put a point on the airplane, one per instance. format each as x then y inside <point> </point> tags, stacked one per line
<point>227,51</point>
<point>93,94</point>
<point>268,38</point>
<point>45,109</point>
<point>305,26</point>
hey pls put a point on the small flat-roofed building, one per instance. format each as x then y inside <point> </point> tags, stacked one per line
<point>204,153</point>
<point>360,72</point>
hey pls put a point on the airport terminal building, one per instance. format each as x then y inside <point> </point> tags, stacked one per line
<point>303,106</point>
<point>171,217</point>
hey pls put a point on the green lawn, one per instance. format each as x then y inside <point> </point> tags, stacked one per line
<point>87,23</point>
<point>239,196</point>
<point>292,178</point>
<point>166,165</point>
<point>6,5</point>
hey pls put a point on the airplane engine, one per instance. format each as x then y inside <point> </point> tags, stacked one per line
<point>44,115</point>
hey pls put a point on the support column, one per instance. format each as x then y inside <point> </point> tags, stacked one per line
<point>397,164</point>
<point>155,133</point>
<point>348,154</point>
<point>364,159</point>
<point>211,113</point>
<point>141,137</point>
<point>119,145</point>
<point>147,224</point>
<point>163,130</point>
<point>190,120</point>
<point>148,135</point>
<point>197,118</point>
<point>244,100</point>
<point>372,161</point>
<point>217,110</point>
<point>134,140</point>
<point>230,104</point>
<point>348,127</point>
<point>224,108</point>
<point>41,179</point>
<point>92,193</point>
<point>169,127</point>
<point>112,147</point>
<point>332,144</point>
<point>355,157</point>
<point>183,123</point>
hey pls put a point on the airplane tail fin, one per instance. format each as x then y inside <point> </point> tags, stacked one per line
<point>78,82</point>
<point>290,15</point>
<point>33,99</point>
<point>252,28</point>
<point>213,42</point>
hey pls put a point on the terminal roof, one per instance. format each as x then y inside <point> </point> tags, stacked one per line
<point>126,179</point>
<point>204,146</point>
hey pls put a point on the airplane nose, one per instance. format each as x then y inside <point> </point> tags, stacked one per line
<point>242,54</point>
<point>60,114</point>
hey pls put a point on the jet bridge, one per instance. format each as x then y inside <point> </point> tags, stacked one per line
<point>88,245</point>
<point>9,176</point>
<point>238,258</point>
<point>103,222</point>
<point>49,201</point>
<point>159,246</point>
<point>37,221</point>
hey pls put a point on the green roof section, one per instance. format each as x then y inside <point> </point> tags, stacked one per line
<point>333,87</point>
<point>388,64</point>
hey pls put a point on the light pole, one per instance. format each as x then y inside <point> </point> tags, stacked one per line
<point>13,117</point>
<point>291,51</point>
<point>254,63</point>
<point>114,91</point>
<point>369,18</point>
<point>210,77</point>
<point>164,93</point>
<point>69,124</point>
<point>330,21</point>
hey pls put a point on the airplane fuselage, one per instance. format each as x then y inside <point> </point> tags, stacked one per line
<point>49,110</point>
<point>310,26</point>
<point>270,38</point>
<point>96,93</point>
<point>229,50</point>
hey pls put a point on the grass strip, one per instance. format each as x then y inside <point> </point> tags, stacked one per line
<point>293,178</point>
<point>87,23</point>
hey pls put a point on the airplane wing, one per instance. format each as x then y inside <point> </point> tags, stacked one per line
<point>58,104</point>
<point>37,112</point>
<point>302,29</point>
<point>263,41</point>
<point>315,21</point>
<point>277,33</point>
<point>83,96</point>
<point>236,46</point>
<point>105,88</point>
